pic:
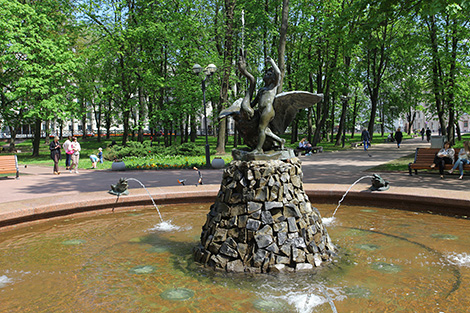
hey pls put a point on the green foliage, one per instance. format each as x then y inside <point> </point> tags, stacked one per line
<point>137,149</point>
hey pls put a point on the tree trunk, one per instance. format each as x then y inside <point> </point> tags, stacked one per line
<point>436,73</point>
<point>37,137</point>
<point>353,126</point>
<point>228,56</point>
<point>46,131</point>
<point>282,43</point>
<point>342,122</point>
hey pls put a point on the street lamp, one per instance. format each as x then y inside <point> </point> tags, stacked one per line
<point>208,71</point>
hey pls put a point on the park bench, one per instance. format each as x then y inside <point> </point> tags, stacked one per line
<point>9,165</point>
<point>315,149</point>
<point>424,157</point>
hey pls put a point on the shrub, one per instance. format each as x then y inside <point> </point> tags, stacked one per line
<point>137,149</point>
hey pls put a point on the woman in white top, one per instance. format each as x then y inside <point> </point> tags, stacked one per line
<point>443,157</point>
<point>75,146</point>
<point>464,156</point>
<point>68,152</point>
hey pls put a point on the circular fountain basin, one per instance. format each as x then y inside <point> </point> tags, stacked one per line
<point>389,260</point>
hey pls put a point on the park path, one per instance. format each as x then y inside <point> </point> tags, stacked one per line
<point>339,169</point>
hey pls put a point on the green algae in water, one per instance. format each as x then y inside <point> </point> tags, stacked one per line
<point>270,305</point>
<point>137,239</point>
<point>386,267</point>
<point>368,247</point>
<point>73,242</point>
<point>357,292</point>
<point>177,294</point>
<point>143,269</point>
<point>355,232</point>
<point>444,236</point>
<point>158,249</point>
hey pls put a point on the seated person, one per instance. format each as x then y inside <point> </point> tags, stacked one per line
<point>463,158</point>
<point>305,145</point>
<point>443,157</point>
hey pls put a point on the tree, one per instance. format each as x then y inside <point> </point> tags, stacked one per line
<point>36,60</point>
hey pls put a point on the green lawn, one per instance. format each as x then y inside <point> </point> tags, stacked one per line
<point>91,145</point>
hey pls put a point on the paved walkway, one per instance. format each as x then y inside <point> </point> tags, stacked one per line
<point>328,170</point>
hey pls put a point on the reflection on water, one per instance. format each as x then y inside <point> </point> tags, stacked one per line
<point>389,260</point>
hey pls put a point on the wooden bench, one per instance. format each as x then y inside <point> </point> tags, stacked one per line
<point>316,149</point>
<point>9,165</point>
<point>424,157</point>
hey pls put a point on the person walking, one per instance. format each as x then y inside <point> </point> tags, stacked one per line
<point>428,134</point>
<point>54,146</point>
<point>443,157</point>
<point>398,136</point>
<point>422,132</point>
<point>463,158</point>
<point>68,152</point>
<point>75,147</point>
<point>365,137</point>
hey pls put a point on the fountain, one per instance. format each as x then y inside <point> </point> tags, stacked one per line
<point>121,188</point>
<point>388,260</point>
<point>262,220</point>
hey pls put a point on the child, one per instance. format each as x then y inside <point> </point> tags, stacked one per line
<point>100,155</point>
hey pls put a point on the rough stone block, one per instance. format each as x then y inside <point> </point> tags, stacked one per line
<point>303,267</point>
<point>266,217</point>
<point>261,194</point>
<point>296,181</point>
<point>286,249</point>
<point>263,240</point>
<point>292,225</point>
<point>281,238</point>
<point>273,205</point>
<point>282,259</point>
<point>242,248</point>
<point>273,248</point>
<point>220,235</point>
<point>258,257</point>
<point>298,255</point>
<point>280,227</point>
<point>242,219</point>
<point>225,249</point>
<point>235,266</point>
<point>277,268</point>
<point>277,215</point>
<point>253,224</point>
<point>256,215</point>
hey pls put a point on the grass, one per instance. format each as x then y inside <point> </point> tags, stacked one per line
<point>91,145</point>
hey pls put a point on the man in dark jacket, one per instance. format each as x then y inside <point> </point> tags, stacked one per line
<point>428,134</point>
<point>365,137</point>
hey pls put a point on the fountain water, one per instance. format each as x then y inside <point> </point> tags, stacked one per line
<point>339,203</point>
<point>409,260</point>
<point>121,188</point>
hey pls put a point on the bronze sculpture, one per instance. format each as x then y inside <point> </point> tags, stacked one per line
<point>261,128</point>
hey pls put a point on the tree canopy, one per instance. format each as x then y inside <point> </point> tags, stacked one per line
<point>128,62</point>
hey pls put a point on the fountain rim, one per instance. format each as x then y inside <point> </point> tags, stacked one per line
<point>416,200</point>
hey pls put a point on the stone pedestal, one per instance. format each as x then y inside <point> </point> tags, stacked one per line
<point>263,221</point>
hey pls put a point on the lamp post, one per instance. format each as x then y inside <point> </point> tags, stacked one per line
<point>208,71</point>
